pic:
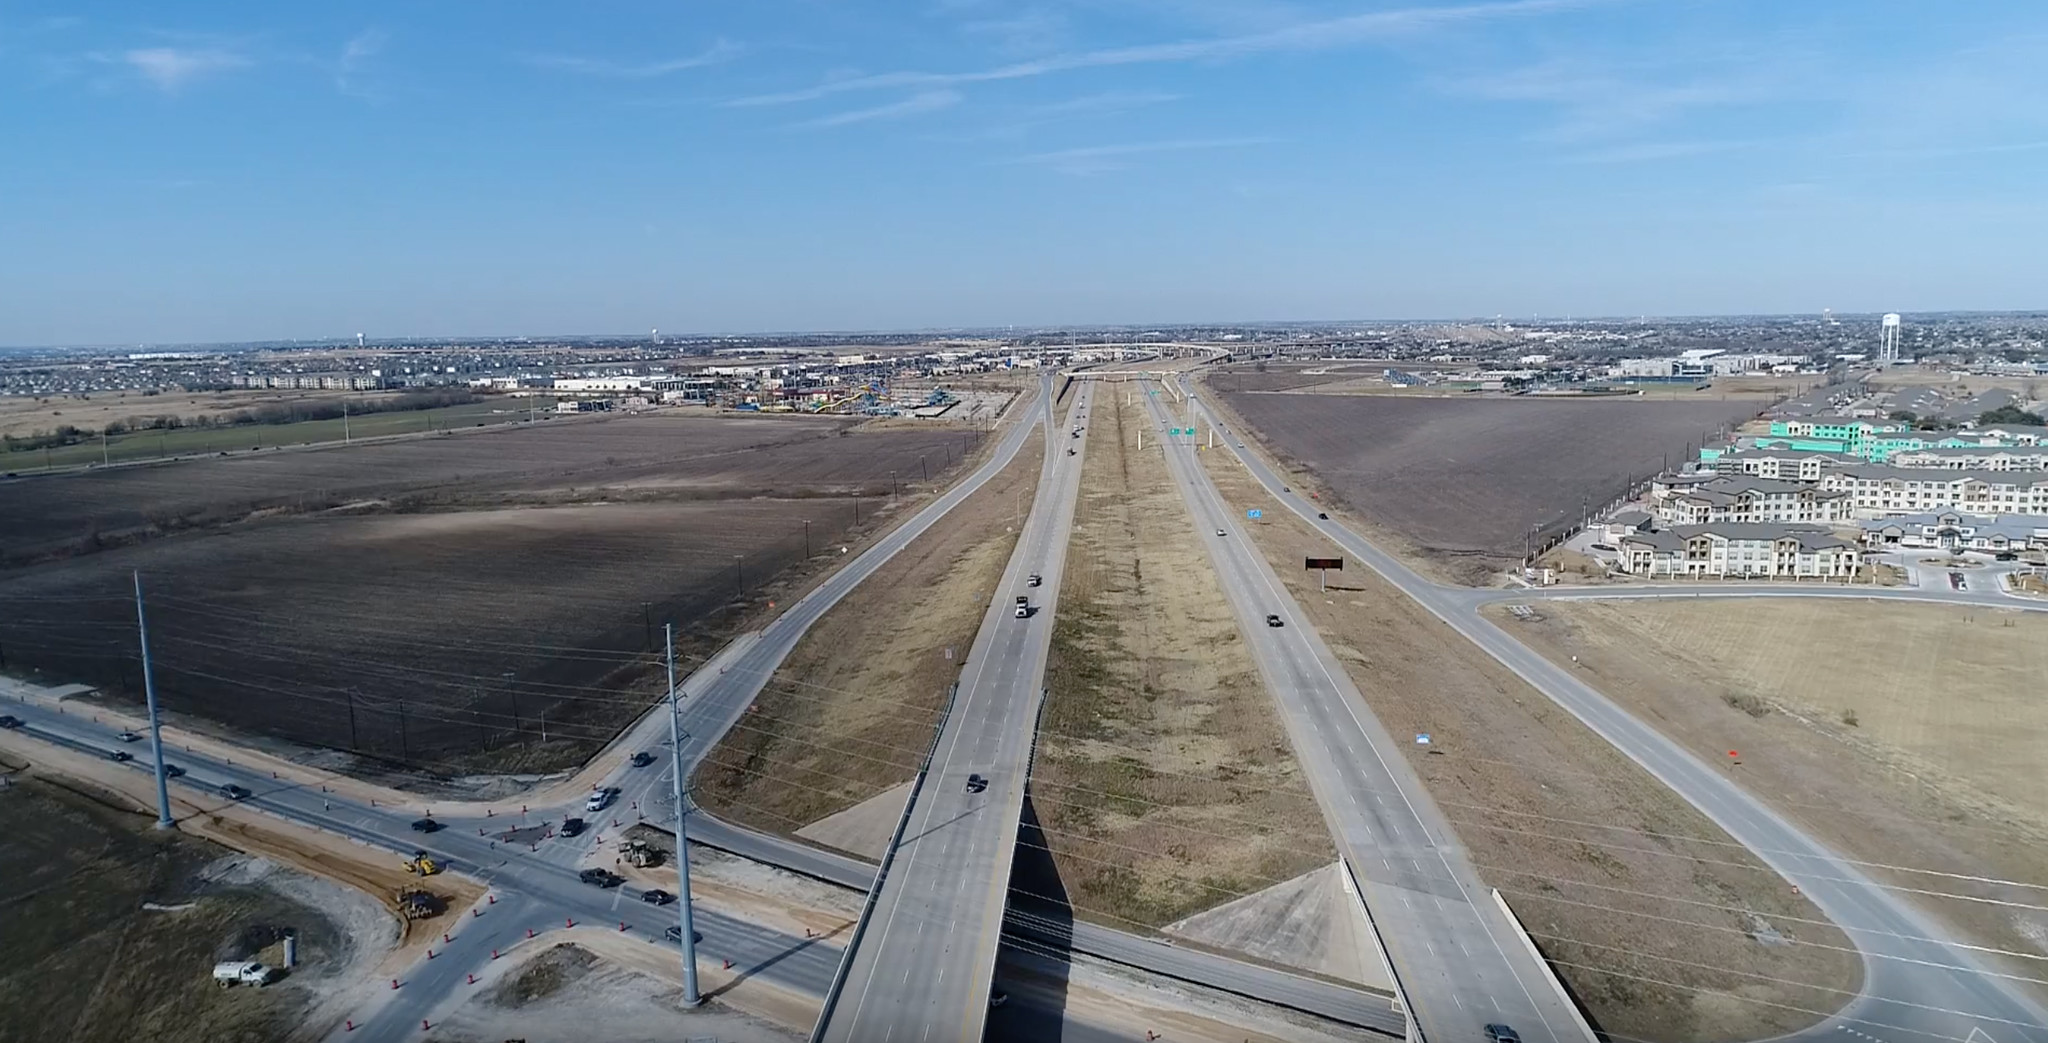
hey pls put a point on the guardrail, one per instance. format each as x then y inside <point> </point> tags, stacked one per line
<point>867,907</point>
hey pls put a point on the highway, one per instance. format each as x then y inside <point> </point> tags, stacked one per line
<point>1456,959</point>
<point>923,966</point>
<point>1920,984</point>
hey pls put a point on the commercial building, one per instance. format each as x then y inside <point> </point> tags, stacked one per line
<point>1732,550</point>
<point>1952,530</point>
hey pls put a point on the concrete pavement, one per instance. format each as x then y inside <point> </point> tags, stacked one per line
<point>1920,984</point>
<point>924,964</point>
<point>1456,960</point>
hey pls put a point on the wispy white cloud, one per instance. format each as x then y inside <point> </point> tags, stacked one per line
<point>359,49</point>
<point>1017,122</point>
<point>1321,34</point>
<point>1095,159</point>
<point>1651,151</point>
<point>170,68</point>
<point>1595,101</point>
<point>916,104</point>
<point>722,51</point>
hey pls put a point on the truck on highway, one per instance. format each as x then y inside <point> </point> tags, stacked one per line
<point>1023,606</point>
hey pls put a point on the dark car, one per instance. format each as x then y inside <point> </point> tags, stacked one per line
<point>600,877</point>
<point>173,771</point>
<point>1322,515</point>
<point>1273,619</point>
<point>234,792</point>
<point>1502,1034</point>
<point>425,825</point>
<point>975,783</point>
<point>8,720</point>
<point>120,756</point>
<point>571,826</point>
<point>675,934</point>
<point>656,896</point>
<point>642,759</point>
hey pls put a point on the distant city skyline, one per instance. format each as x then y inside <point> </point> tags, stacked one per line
<point>239,174</point>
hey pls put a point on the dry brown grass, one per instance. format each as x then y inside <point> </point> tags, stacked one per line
<point>1163,779</point>
<point>853,708</point>
<point>1941,769</point>
<point>24,414</point>
<point>1642,904</point>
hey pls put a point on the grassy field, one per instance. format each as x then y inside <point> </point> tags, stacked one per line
<point>1647,910</point>
<point>23,415</point>
<point>1904,735</point>
<point>853,708</point>
<point>85,961</point>
<point>1163,779</point>
<point>195,441</point>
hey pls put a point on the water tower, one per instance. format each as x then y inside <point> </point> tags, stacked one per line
<point>1888,340</point>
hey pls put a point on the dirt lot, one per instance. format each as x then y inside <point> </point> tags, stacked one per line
<point>487,601</point>
<point>1648,911</point>
<point>86,960</point>
<point>22,415</point>
<point>1459,482</point>
<point>1904,735</point>
<point>854,706</point>
<point>1163,780</point>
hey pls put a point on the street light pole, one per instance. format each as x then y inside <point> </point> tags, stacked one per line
<point>675,752</point>
<point>156,735</point>
<point>807,539</point>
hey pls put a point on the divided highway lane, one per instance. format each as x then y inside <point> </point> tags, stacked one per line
<point>923,967</point>
<point>1455,957</point>
<point>1918,985</point>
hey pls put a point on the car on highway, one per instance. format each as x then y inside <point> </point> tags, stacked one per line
<point>128,737</point>
<point>642,759</point>
<point>1220,532</point>
<point>120,756</point>
<point>1035,580</point>
<point>1502,1034</point>
<point>172,770</point>
<point>997,999</point>
<point>976,783</point>
<point>596,877</point>
<point>234,792</point>
<point>675,934</point>
<point>601,798</point>
<point>1273,619</point>
<point>1322,515</point>
<point>1023,606</point>
<point>8,720</point>
<point>656,896</point>
<point>571,826</point>
<point>425,825</point>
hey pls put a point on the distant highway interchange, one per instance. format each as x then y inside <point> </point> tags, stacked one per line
<point>921,963</point>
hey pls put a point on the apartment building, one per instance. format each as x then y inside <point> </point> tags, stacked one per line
<point>1731,550</point>
<point>1744,499</point>
<point>1973,458</point>
<point>1792,466</point>
<point>1878,491</point>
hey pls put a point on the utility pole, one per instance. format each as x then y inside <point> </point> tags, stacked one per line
<point>923,470</point>
<point>156,735</point>
<point>345,439</point>
<point>739,565</point>
<point>103,447</point>
<point>353,744</point>
<point>404,747</point>
<point>807,539</point>
<point>675,753</point>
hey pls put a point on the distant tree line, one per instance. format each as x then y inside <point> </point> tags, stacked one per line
<point>279,413</point>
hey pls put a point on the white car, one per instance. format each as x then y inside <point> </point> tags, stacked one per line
<point>599,800</point>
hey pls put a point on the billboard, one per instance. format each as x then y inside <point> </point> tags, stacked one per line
<point>1323,563</point>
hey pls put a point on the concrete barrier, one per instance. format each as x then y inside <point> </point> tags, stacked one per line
<point>1549,976</point>
<point>1414,1033</point>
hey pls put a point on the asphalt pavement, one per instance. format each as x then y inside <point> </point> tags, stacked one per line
<point>1920,983</point>
<point>922,968</point>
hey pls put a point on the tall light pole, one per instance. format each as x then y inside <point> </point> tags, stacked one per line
<point>675,753</point>
<point>807,539</point>
<point>156,736</point>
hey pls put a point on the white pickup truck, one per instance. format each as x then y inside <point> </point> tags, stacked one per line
<point>238,972</point>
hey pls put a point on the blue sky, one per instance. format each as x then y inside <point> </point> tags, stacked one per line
<point>251,171</point>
